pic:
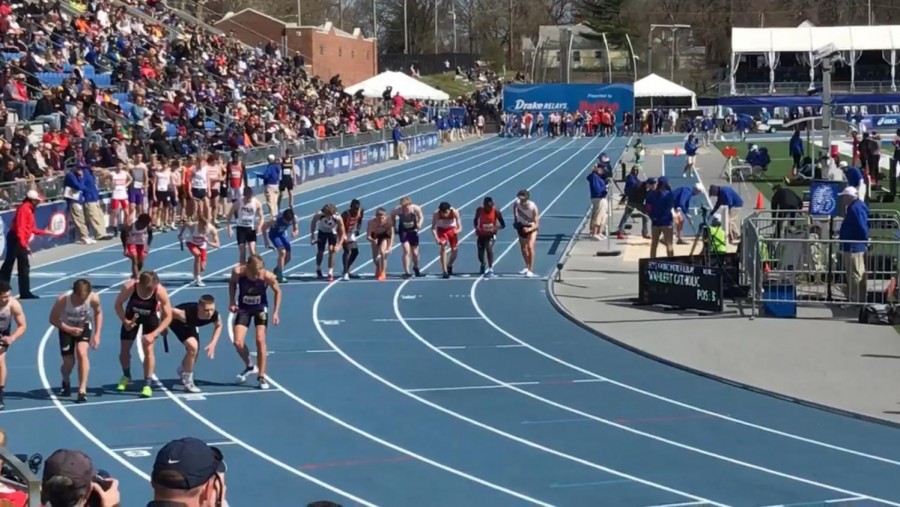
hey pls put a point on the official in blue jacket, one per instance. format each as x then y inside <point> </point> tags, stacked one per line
<point>690,150</point>
<point>660,205</point>
<point>726,196</point>
<point>795,146</point>
<point>599,205</point>
<point>682,199</point>
<point>856,179</point>
<point>854,237</point>
<point>271,177</point>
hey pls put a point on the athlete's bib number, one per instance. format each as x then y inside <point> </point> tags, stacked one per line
<point>162,186</point>
<point>409,225</point>
<point>487,227</point>
<point>246,221</point>
<point>251,300</point>
<point>287,171</point>
<point>138,184</point>
<point>142,311</point>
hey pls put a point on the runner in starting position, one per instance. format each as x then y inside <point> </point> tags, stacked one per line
<point>78,316</point>
<point>10,311</point>
<point>248,301</point>
<point>525,216</point>
<point>407,219</point>
<point>381,234</point>
<point>352,218</point>
<point>187,318</point>
<point>445,227</point>
<point>142,303</point>
<point>249,215</point>
<point>275,236</point>
<point>326,231</point>
<point>488,220</point>
<point>136,239</point>
<point>202,234</point>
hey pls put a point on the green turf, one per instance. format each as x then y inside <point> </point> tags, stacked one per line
<point>447,82</point>
<point>781,167</point>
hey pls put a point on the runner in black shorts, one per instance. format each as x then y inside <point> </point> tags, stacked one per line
<point>287,179</point>
<point>137,307</point>
<point>78,316</point>
<point>10,313</point>
<point>187,318</point>
<point>247,294</point>
<point>380,233</point>
<point>249,215</point>
<point>327,230</point>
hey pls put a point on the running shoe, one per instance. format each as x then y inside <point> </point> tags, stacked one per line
<point>146,391</point>
<point>190,387</point>
<point>417,272</point>
<point>523,271</point>
<point>529,274</point>
<point>242,377</point>
<point>450,270</point>
<point>263,383</point>
<point>199,283</point>
<point>319,274</point>
<point>82,398</point>
<point>123,384</point>
<point>345,277</point>
<point>330,277</point>
<point>481,270</point>
<point>446,274</point>
<point>489,273</point>
<point>281,279</point>
<point>407,276</point>
<point>382,276</point>
<point>66,390</point>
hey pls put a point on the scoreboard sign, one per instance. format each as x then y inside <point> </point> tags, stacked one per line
<point>680,285</point>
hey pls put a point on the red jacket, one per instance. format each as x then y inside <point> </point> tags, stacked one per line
<point>23,223</point>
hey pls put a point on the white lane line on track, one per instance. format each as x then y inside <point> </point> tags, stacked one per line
<point>479,424</point>
<point>495,146</point>
<point>63,409</point>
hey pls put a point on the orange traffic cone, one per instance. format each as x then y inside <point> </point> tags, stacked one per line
<point>759,201</point>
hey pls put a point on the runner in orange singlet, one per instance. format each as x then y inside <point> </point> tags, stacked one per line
<point>237,177</point>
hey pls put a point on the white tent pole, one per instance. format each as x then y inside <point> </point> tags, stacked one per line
<point>608,59</point>
<point>633,56</point>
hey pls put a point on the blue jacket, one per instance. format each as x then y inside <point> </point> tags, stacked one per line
<point>727,197</point>
<point>682,198</point>
<point>659,206</point>
<point>631,182</point>
<point>90,193</point>
<point>690,148</point>
<point>597,184</point>
<point>796,145</point>
<point>707,125</point>
<point>854,176</point>
<point>855,227</point>
<point>272,174</point>
<point>74,182</point>
<point>396,134</point>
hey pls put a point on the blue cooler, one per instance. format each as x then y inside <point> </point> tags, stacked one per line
<point>780,301</point>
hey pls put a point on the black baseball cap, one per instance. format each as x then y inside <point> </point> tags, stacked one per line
<point>75,465</point>
<point>190,458</point>
<point>444,206</point>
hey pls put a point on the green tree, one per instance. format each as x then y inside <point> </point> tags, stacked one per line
<point>606,16</point>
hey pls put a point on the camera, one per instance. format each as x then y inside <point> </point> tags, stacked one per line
<point>101,479</point>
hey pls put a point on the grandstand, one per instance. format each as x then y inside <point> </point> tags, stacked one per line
<point>147,74</point>
<point>780,60</point>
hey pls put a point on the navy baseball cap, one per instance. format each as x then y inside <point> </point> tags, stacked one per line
<point>191,459</point>
<point>651,181</point>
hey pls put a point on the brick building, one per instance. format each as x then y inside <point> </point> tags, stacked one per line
<point>328,50</point>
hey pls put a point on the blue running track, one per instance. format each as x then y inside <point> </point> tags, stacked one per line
<point>435,392</point>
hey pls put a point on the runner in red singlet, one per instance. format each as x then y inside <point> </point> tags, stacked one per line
<point>445,227</point>
<point>237,177</point>
<point>488,220</point>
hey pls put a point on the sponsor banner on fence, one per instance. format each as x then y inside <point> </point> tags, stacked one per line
<point>617,97</point>
<point>881,121</point>
<point>52,216</point>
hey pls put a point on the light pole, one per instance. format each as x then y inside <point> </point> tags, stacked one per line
<point>405,30</point>
<point>436,26</point>
<point>674,29</point>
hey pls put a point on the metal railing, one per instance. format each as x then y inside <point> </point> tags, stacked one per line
<point>802,87</point>
<point>791,257</point>
<point>51,187</point>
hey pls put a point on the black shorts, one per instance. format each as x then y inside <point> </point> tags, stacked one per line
<point>214,193</point>
<point>182,331</point>
<point>165,198</point>
<point>485,242</point>
<point>149,323</point>
<point>381,238</point>
<point>223,188</point>
<point>244,318</point>
<point>286,183</point>
<point>245,235</point>
<point>68,342</point>
<point>199,193</point>
<point>520,228</point>
<point>325,238</point>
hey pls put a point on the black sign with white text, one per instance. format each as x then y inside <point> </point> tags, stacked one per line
<point>680,285</point>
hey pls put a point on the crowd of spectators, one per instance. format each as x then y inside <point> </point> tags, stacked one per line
<point>80,78</point>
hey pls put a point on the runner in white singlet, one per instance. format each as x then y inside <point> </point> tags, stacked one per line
<point>200,190</point>
<point>248,212</point>
<point>526,216</point>
<point>78,316</point>
<point>165,198</point>
<point>119,203</point>
<point>201,235</point>
<point>327,230</point>
<point>10,311</point>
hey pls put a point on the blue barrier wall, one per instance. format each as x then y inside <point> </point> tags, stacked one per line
<point>617,97</point>
<point>310,167</point>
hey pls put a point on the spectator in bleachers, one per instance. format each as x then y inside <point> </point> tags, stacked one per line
<point>70,478</point>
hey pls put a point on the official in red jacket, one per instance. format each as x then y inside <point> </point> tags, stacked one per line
<point>17,239</point>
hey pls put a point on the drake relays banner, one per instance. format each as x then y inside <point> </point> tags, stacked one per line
<point>546,98</point>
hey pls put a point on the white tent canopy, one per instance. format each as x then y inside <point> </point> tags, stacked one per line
<point>409,87</point>
<point>804,39</point>
<point>654,86</point>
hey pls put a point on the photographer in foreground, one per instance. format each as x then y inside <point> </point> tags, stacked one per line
<point>70,480</point>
